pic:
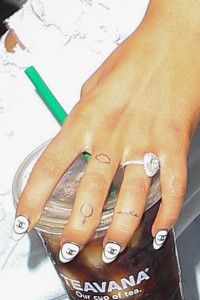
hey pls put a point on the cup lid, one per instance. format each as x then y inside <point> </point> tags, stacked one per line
<point>58,207</point>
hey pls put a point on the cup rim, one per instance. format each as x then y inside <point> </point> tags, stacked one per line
<point>16,188</point>
<point>153,197</point>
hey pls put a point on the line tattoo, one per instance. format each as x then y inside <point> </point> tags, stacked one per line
<point>128,213</point>
<point>103,158</point>
<point>86,211</point>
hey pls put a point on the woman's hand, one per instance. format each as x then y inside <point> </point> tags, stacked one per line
<point>144,98</point>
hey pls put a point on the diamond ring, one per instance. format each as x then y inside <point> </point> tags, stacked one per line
<point>150,162</point>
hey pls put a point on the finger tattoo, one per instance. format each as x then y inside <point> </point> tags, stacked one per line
<point>103,158</point>
<point>86,211</point>
<point>128,213</point>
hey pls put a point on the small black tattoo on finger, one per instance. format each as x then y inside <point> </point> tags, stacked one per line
<point>128,213</point>
<point>86,211</point>
<point>103,158</point>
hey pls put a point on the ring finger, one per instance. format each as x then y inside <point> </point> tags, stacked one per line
<point>128,211</point>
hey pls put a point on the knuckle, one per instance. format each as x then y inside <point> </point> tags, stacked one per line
<point>136,186</point>
<point>83,117</point>
<point>124,224</point>
<point>79,117</point>
<point>169,213</point>
<point>178,186</point>
<point>87,227</point>
<point>170,130</point>
<point>95,182</point>
<point>121,226</point>
<point>178,190</point>
<point>170,219</point>
<point>175,129</point>
<point>85,88</point>
<point>30,203</point>
<point>32,198</point>
<point>51,164</point>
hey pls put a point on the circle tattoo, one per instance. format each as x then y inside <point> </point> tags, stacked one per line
<point>86,211</point>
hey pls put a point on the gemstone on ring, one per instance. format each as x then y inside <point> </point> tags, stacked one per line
<point>151,164</point>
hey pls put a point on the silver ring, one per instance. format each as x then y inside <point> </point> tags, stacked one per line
<point>150,163</point>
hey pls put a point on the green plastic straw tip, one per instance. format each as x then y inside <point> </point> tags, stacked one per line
<point>49,98</point>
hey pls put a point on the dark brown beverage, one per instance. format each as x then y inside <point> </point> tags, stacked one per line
<point>140,272</point>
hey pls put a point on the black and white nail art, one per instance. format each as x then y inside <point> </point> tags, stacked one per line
<point>160,239</point>
<point>110,252</point>
<point>20,227</point>
<point>68,252</point>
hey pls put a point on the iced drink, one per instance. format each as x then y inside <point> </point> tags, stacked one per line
<point>139,272</point>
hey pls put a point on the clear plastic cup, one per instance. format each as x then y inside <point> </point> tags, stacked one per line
<point>139,272</point>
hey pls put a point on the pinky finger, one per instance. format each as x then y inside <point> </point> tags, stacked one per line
<point>173,178</point>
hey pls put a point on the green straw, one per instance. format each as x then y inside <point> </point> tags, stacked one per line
<point>48,98</point>
<point>54,106</point>
<point>46,95</point>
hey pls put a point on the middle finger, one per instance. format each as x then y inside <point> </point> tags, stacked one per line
<point>90,198</point>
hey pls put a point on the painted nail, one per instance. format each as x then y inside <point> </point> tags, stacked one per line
<point>20,228</point>
<point>110,252</point>
<point>68,252</point>
<point>160,239</point>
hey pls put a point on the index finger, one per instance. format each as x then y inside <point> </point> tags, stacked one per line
<point>49,168</point>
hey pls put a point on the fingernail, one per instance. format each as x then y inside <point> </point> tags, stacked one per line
<point>20,228</point>
<point>68,252</point>
<point>110,252</point>
<point>160,239</point>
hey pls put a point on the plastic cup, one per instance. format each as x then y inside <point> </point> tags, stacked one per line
<point>139,272</point>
